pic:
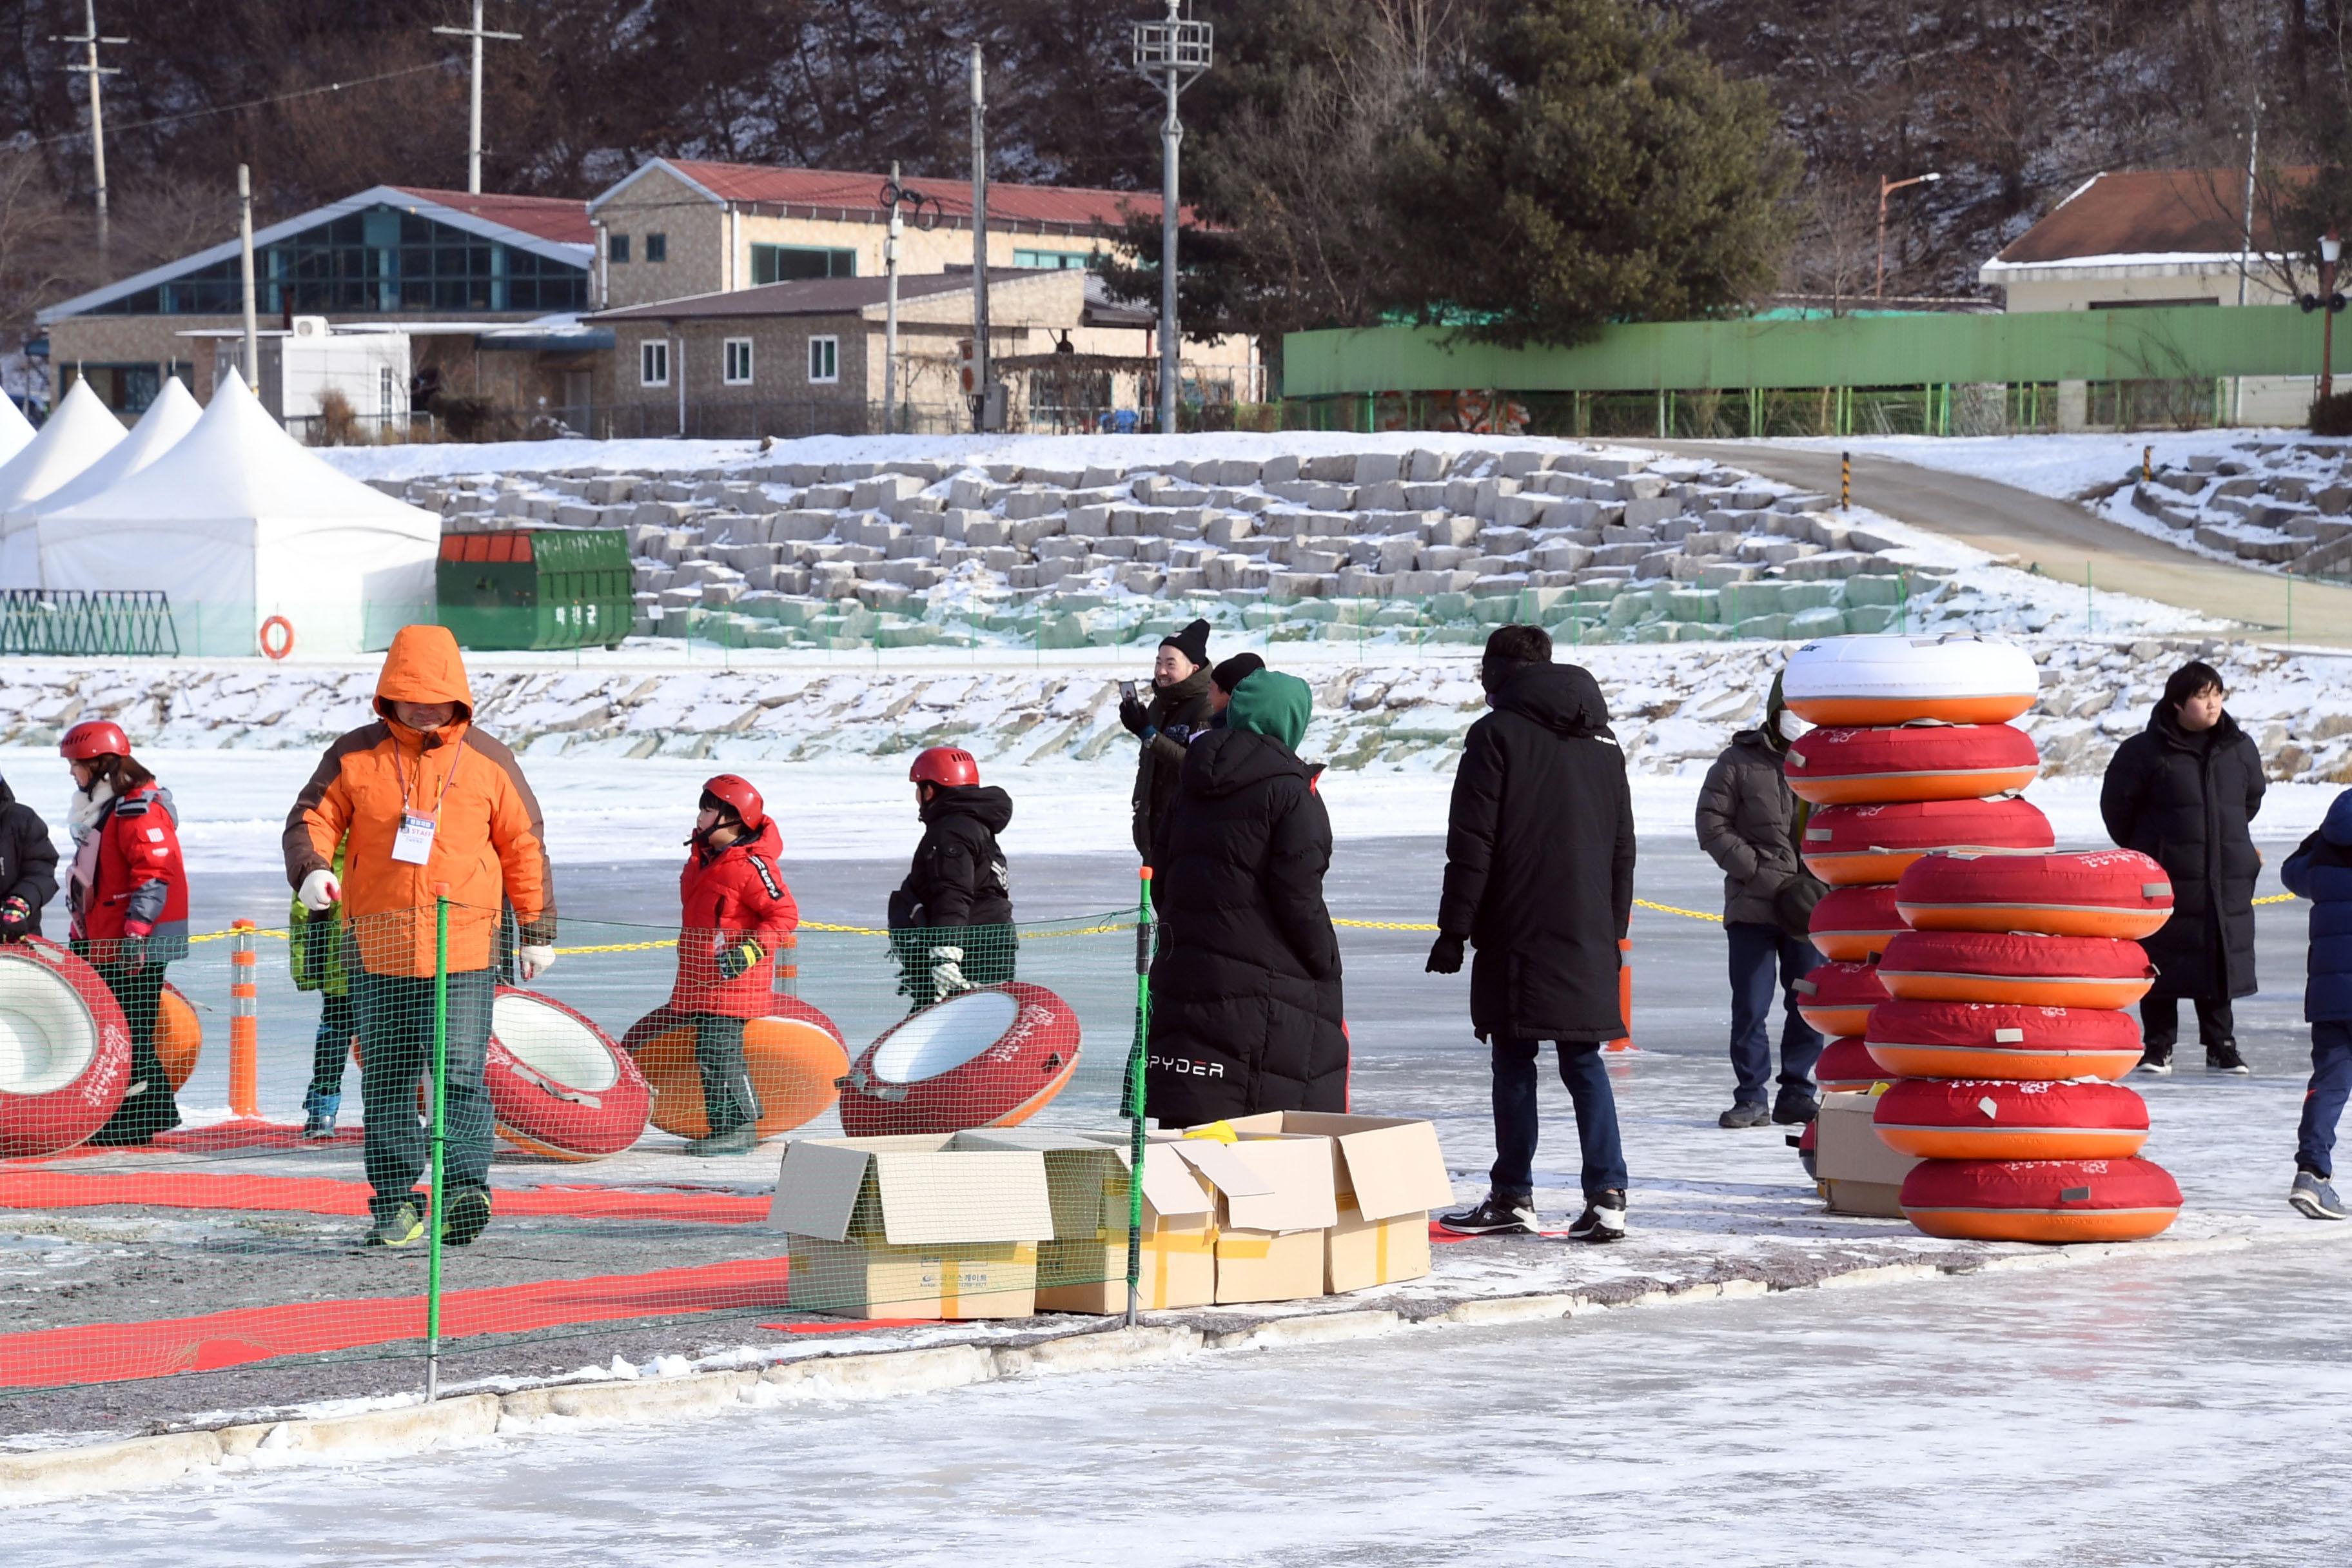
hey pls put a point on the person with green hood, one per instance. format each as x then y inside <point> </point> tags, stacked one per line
<point>1748,823</point>
<point>1246,1010</point>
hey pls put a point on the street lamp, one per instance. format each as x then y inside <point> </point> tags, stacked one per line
<point>2331,246</point>
<point>1885,186</point>
<point>1176,51</point>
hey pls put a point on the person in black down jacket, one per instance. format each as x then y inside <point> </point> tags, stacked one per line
<point>2186,789</point>
<point>1246,1005</point>
<point>951,920</point>
<point>28,867</point>
<point>1540,877</point>
<point>1181,705</point>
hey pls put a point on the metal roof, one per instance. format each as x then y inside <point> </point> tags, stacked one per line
<point>751,184</point>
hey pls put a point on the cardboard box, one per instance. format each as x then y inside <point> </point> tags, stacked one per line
<point>1276,1199</point>
<point>1858,1173</point>
<point>1083,1268</point>
<point>1388,1173</point>
<point>920,1227</point>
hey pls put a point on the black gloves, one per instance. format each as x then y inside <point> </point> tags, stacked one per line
<point>736,959</point>
<point>1134,715</point>
<point>16,916</point>
<point>1445,956</point>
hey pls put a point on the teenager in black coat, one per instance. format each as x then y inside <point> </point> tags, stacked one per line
<point>951,920</point>
<point>2186,791</point>
<point>28,867</point>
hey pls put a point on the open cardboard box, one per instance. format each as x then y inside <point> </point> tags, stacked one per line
<point>932,1225</point>
<point>1276,1199</point>
<point>1387,1173</point>
<point>1083,1268</point>
<point>1858,1173</point>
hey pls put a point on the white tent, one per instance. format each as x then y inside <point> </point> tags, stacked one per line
<point>240,523</point>
<point>171,416</point>
<point>80,431</point>
<point>15,428</point>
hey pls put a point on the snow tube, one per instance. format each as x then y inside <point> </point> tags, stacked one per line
<point>1960,679</point>
<point>2108,893</point>
<point>2032,971</point>
<point>179,1037</point>
<point>65,1050</point>
<point>2040,1200</point>
<point>989,1058</point>
<point>1852,923</point>
<point>1806,1144</point>
<point>794,1054</point>
<point>1977,1119</point>
<point>1846,1067</point>
<point>1977,1041</point>
<point>1848,846</point>
<point>557,1084</point>
<point>1910,762</point>
<point>1837,998</point>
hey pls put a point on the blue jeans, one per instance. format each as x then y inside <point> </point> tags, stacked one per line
<point>2323,1102</point>
<point>1517,1116</point>
<point>330,1052</point>
<point>395,1019</point>
<point>1756,950</point>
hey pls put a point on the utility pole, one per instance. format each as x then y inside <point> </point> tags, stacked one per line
<point>983,375</point>
<point>1177,51</point>
<point>473,123</point>
<point>244,263</point>
<point>89,37</point>
<point>2246,245</point>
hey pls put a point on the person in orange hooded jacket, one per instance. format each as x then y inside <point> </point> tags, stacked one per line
<point>736,911</point>
<point>423,801</point>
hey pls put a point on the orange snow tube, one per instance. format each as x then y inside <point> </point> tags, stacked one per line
<point>1978,1119</point>
<point>1981,1040</point>
<point>179,1037</point>
<point>1910,762</point>
<point>2108,893</point>
<point>2094,972</point>
<point>1837,998</point>
<point>794,1056</point>
<point>1850,924</point>
<point>1847,846</point>
<point>1960,679</point>
<point>2053,1201</point>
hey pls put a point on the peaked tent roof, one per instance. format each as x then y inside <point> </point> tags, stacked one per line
<point>15,428</point>
<point>171,416</point>
<point>81,431</point>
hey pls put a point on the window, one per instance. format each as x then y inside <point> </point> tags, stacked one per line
<point>386,390</point>
<point>737,361</point>
<point>657,248</point>
<point>791,263</point>
<point>616,248</point>
<point>824,359</point>
<point>1053,261</point>
<point>653,363</point>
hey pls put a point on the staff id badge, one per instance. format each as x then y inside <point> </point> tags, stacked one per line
<point>413,845</point>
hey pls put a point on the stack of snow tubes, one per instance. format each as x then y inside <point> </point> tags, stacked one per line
<point>1978,979</point>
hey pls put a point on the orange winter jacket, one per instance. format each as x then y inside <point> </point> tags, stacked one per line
<point>487,844</point>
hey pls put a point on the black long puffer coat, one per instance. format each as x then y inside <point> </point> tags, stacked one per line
<point>1539,860</point>
<point>1246,1014</point>
<point>28,864</point>
<point>2189,800</point>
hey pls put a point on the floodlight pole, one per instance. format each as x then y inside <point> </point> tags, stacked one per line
<point>89,37</point>
<point>1177,51</point>
<point>890,308</point>
<point>244,265</point>
<point>474,122</point>
<point>981,370</point>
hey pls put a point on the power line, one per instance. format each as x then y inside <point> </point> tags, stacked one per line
<point>248,103</point>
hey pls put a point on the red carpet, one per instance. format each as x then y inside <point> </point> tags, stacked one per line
<point>36,1188</point>
<point>116,1352</point>
<point>218,1137</point>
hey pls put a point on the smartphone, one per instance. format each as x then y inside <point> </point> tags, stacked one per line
<point>1126,690</point>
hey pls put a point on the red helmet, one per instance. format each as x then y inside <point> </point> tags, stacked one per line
<point>736,794</point>
<point>944,765</point>
<point>94,738</point>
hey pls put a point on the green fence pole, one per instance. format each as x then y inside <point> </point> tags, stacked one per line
<point>1136,1056</point>
<point>440,1139</point>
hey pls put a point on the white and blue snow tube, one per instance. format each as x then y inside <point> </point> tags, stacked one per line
<point>1959,678</point>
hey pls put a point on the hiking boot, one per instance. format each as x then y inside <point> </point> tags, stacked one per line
<point>743,1140</point>
<point>2222,1057</point>
<point>2314,1198</point>
<point>469,1211</point>
<point>1497,1213</point>
<point>1794,1108</point>
<point>400,1227</point>
<point>1604,1218</point>
<point>318,1125</point>
<point>1745,1113</point>
<point>2156,1060</point>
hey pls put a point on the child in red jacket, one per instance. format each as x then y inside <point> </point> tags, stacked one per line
<point>736,913</point>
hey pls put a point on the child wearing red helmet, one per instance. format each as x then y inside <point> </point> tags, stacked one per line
<point>736,913</point>
<point>951,920</point>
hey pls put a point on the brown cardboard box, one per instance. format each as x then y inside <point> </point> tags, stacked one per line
<point>931,1226</point>
<point>1388,1173</point>
<point>1274,1201</point>
<point>1083,1268</point>
<point>1858,1173</point>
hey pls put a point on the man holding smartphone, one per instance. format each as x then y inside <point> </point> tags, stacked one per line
<point>1178,707</point>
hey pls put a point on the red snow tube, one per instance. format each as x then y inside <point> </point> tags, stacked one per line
<point>1806,1144</point>
<point>1848,844</point>
<point>2108,893</point>
<point>559,1086</point>
<point>1847,1066</point>
<point>1980,1040</point>
<point>1910,762</point>
<point>1852,923</point>
<point>2040,1200</point>
<point>1977,1118</point>
<point>794,1054</point>
<point>65,1050</point>
<point>2096,971</point>
<point>989,1058</point>
<point>1837,998</point>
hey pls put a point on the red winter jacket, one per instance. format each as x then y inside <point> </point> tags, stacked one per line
<point>727,895</point>
<point>139,884</point>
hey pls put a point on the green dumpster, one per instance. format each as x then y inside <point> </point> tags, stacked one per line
<point>536,589</point>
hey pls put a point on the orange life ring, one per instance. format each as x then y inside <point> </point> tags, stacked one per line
<point>2107,892</point>
<point>2092,972</point>
<point>282,649</point>
<point>1834,766</point>
<point>2040,1200</point>
<point>1963,1119</point>
<point>1982,1040</point>
<point>1850,844</point>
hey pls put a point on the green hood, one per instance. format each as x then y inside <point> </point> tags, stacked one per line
<point>1272,704</point>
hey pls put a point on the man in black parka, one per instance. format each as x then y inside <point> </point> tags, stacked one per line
<point>1539,878</point>
<point>1246,1012</point>
<point>2186,789</point>
<point>28,867</point>
<point>951,920</point>
<point>1183,702</point>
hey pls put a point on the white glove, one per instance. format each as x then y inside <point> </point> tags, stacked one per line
<point>946,973</point>
<point>534,961</point>
<point>321,891</point>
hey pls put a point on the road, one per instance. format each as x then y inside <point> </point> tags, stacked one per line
<point>2060,536</point>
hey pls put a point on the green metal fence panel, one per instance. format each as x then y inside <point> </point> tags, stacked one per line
<point>75,622</point>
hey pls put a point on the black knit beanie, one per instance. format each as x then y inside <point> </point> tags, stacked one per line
<point>1235,671</point>
<point>1192,642</point>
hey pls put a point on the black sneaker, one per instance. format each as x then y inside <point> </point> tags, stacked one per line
<point>1604,1219</point>
<point>1792,1108</point>
<point>1497,1213</point>
<point>469,1211</point>
<point>317,1125</point>
<point>741,1141</point>
<point>2222,1057</point>
<point>1745,1113</point>
<point>401,1226</point>
<point>2156,1060</point>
